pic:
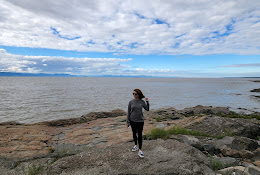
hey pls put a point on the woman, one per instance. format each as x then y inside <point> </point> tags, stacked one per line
<point>135,118</point>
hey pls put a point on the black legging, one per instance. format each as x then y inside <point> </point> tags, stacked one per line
<point>137,127</point>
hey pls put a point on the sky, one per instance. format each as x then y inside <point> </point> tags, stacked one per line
<point>162,38</point>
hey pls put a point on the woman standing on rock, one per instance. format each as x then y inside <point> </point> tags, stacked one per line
<point>135,118</point>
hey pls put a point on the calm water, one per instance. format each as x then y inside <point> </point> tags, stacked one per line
<point>34,99</point>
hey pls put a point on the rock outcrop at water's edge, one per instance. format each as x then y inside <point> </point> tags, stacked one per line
<point>100,143</point>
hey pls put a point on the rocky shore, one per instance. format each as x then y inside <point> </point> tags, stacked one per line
<point>219,141</point>
<point>256,90</point>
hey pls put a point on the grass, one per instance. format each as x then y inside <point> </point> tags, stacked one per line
<point>51,149</point>
<point>161,118</point>
<point>33,170</point>
<point>165,134</point>
<point>236,115</point>
<point>158,119</point>
<point>159,133</point>
<point>61,153</point>
<point>189,114</point>
<point>227,132</point>
<point>216,164</point>
<point>180,130</point>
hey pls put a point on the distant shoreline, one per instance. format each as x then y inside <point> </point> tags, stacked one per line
<point>14,74</point>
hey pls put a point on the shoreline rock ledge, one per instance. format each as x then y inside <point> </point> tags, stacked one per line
<point>100,143</point>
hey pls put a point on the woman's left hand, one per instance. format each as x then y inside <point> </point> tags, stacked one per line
<point>146,99</point>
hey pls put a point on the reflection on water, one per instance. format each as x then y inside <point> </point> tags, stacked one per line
<point>34,99</point>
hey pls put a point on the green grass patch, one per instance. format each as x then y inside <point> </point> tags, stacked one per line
<point>236,115</point>
<point>158,119</point>
<point>165,134</point>
<point>188,115</point>
<point>158,133</point>
<point>33,169</point>
<point>220,136</point>
<point>216,164</point>
<point>51,149</point>
<point>184,131</point>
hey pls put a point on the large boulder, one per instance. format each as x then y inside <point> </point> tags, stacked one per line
<point>237,143</point>
<point>239,147</point>
<point>245,154</point>
<point>199,109</point>
<point>192,141</point>
<point>241,170</point>
<point>218,126</point>
<point>256,156</point>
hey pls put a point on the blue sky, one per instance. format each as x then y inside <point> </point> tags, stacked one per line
<point>154,38</point>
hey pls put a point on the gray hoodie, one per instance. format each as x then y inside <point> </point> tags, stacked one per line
<point>135,112</point>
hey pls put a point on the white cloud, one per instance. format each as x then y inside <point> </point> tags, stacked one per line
<point>243,65</point>
<point>48,64</point>
<point>133,27</point>
<point>76,66</point>
<point>106,66</point>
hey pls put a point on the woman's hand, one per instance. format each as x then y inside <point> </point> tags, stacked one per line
<point>146,99</point>
<point>127,125</point>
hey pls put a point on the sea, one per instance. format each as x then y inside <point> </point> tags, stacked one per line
<point>36,99</point>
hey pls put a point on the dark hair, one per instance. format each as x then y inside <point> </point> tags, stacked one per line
<point>140,94</point>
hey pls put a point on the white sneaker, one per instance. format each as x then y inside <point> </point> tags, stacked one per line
<point>140,154</point>
<point>134,148</point>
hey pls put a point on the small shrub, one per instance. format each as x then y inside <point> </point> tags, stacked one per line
<point>51,149</point>
<point>188,114</point>
<point>228,132</point>
<point>61,153</point>
<point>33,170</point>
<point>158,119</point>
<point>220,136</point>
<point>216,164</point>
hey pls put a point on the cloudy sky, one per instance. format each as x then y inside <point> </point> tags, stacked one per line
<point>183,38</point>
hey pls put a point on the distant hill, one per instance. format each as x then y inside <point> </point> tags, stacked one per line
<point>13,74</point>
<point>123,76</point>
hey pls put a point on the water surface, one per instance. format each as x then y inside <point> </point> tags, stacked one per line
<point>34,99</point>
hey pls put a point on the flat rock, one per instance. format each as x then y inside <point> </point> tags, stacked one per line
<point>257,163</point>
<point>237,170</point>
<point>228,161</point>
<point>25,141</point>
<point>161,157</point>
